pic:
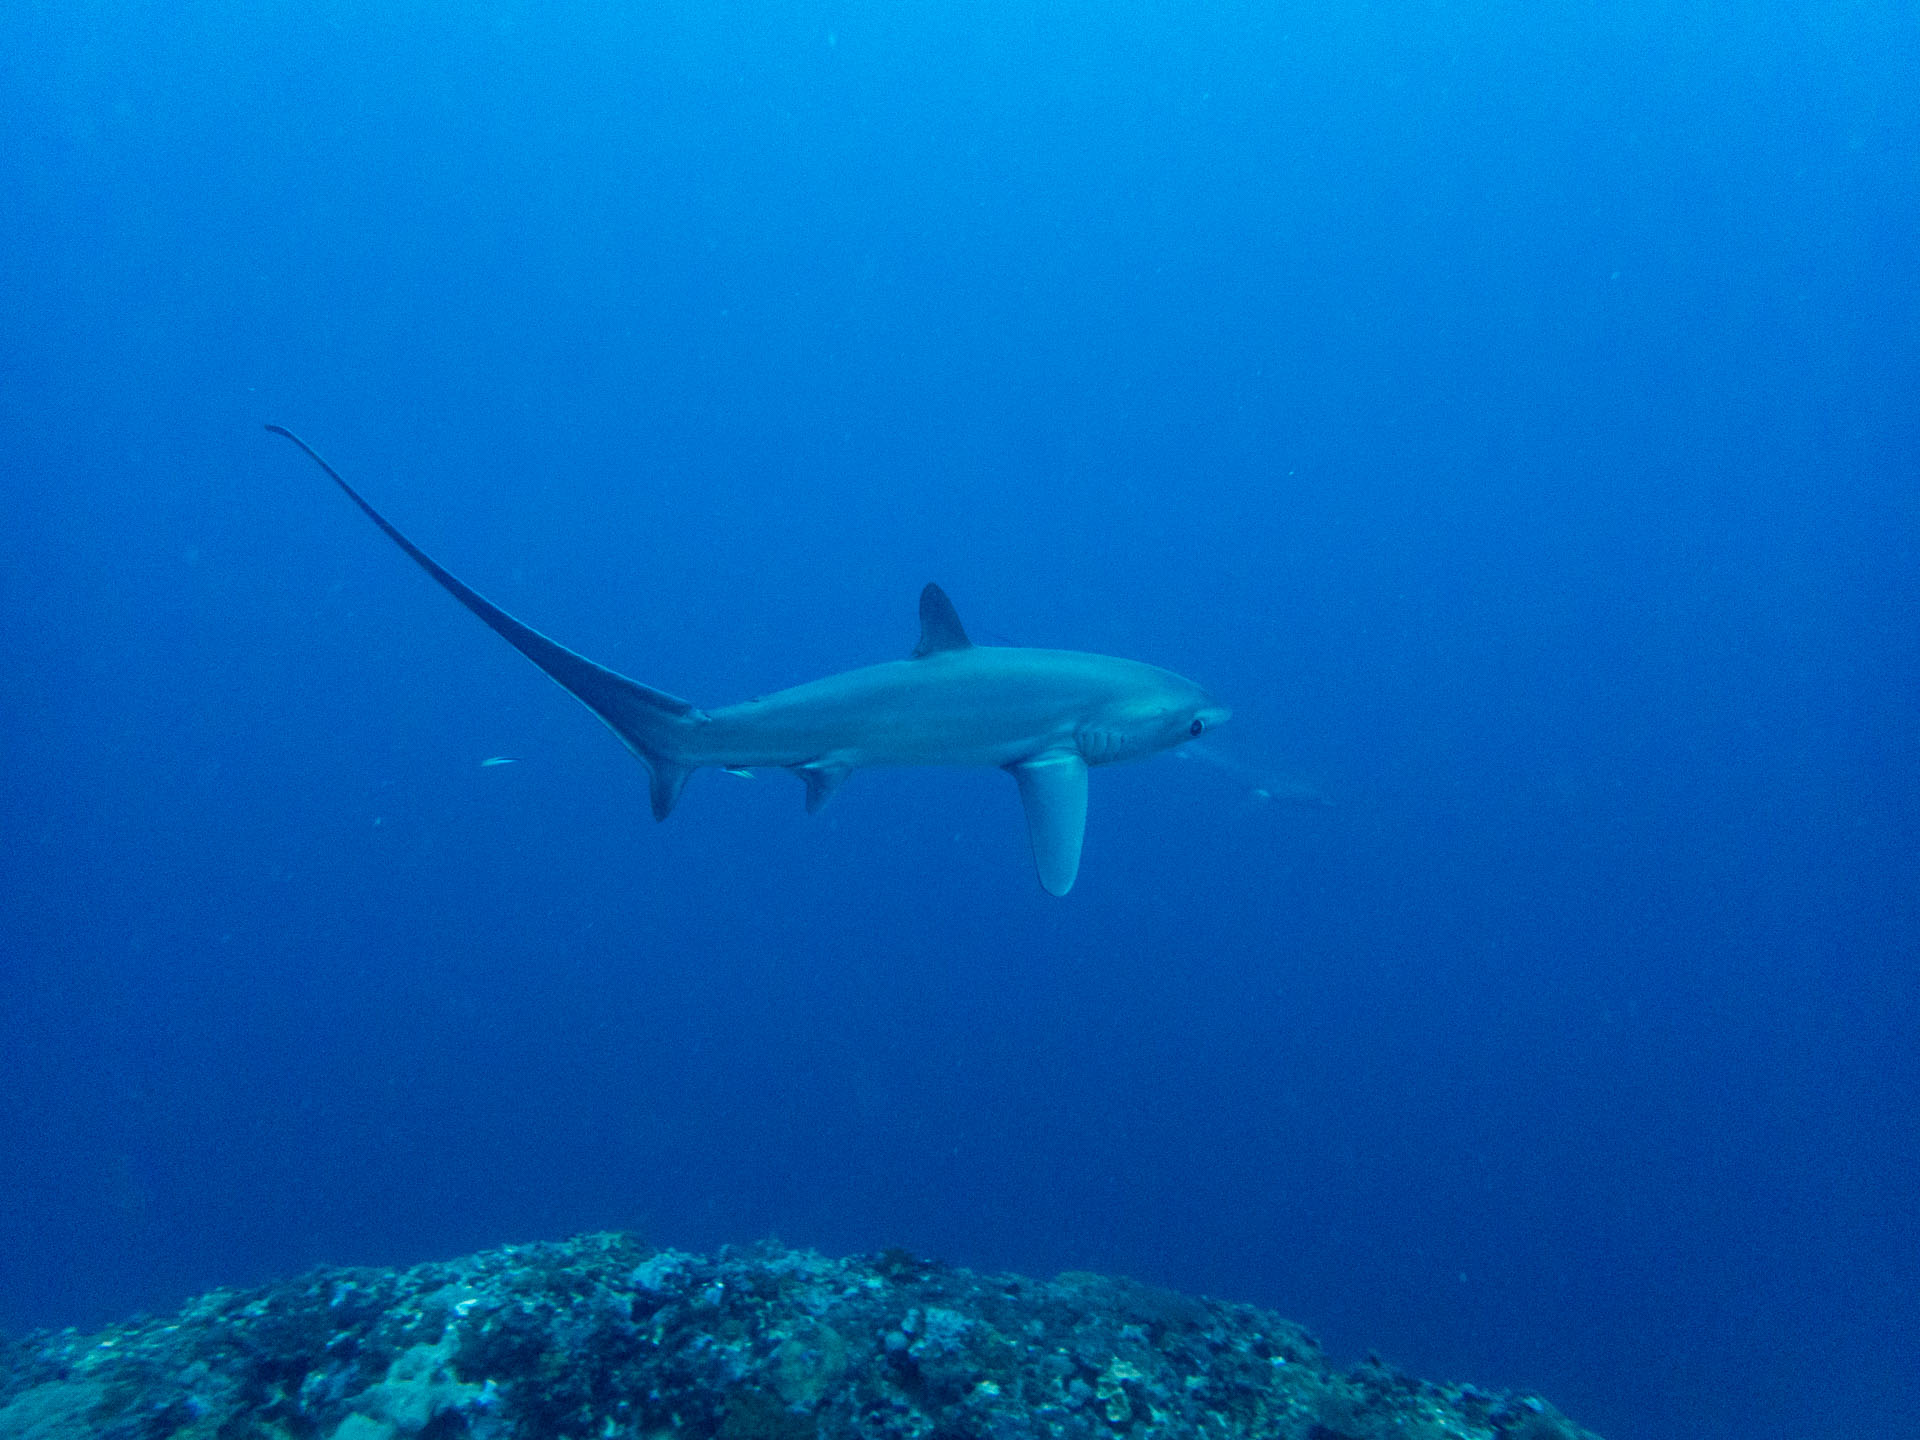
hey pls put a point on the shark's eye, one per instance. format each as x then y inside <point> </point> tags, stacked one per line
<point>1195,728</point>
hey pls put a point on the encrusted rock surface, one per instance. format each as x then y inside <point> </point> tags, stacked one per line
<point>604,1336</point>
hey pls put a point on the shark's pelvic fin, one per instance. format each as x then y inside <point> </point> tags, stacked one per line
<point>640,715</point>
<point>1053,787</point>
<point>940,627</point>
<point>822,778</point>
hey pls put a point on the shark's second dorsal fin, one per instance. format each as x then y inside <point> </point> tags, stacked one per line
<point>940,627</point>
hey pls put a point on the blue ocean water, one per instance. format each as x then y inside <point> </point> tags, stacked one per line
<point>1508,409</point>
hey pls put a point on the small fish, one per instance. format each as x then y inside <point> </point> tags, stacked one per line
<point>1262,786</point>
<point>493,760</point>
<point>738,772</point>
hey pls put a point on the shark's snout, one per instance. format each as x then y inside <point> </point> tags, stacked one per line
<point>1209,716</point>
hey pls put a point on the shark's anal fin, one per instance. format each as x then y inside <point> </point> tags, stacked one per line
<point>1053,787</point>
<point>940,627</point>
<point>640,715</point>
<point>822,778</point>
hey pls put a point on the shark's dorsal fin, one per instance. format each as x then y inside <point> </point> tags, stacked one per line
<point>940,627</point>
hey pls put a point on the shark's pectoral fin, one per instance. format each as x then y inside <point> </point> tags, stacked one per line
<point>822,778</point>
<point>1053,788</point>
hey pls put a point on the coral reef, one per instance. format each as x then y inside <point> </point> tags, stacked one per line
<point>603,1336</point>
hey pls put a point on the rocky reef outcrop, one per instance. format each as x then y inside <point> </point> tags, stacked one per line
<point>604,1336</point>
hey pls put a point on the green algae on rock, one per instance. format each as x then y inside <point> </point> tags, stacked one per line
<point>603,1336</point>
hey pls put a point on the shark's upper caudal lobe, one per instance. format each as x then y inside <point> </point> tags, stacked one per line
<point>1044,716</point>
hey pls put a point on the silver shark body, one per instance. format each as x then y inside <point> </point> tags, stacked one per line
<point>1044,716</point>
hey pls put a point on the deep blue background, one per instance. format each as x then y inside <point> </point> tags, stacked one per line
<point>1509,409</point>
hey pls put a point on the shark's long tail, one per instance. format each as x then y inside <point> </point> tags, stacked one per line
<point>647,720</point>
